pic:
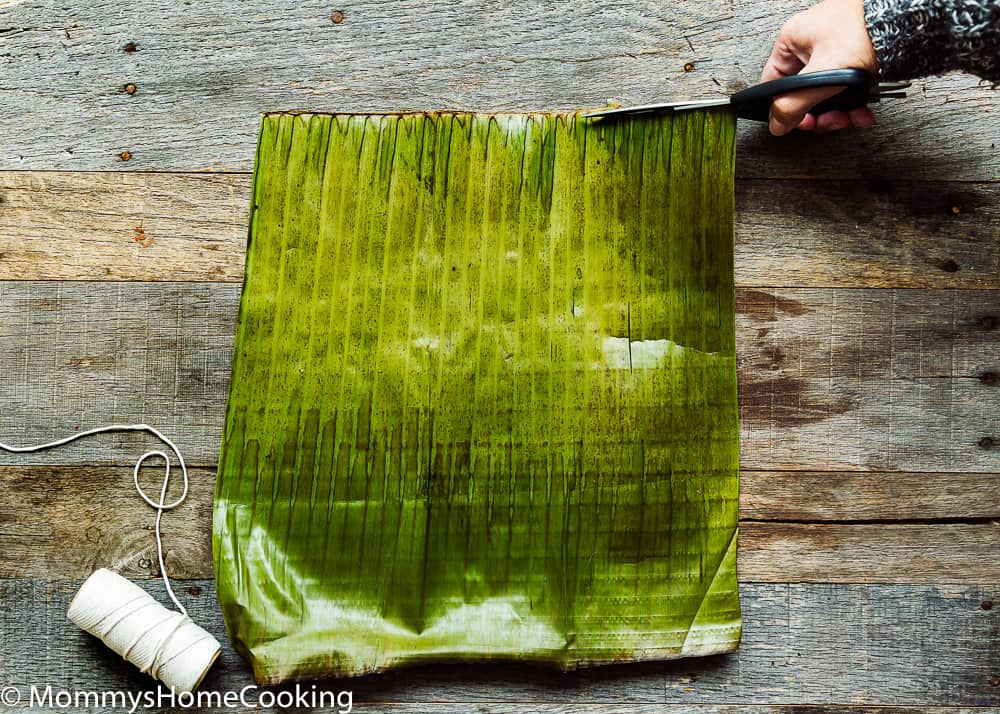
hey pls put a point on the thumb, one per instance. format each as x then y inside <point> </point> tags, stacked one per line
<point>788,110</point>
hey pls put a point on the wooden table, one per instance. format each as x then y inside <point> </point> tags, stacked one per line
<point>868,325</point>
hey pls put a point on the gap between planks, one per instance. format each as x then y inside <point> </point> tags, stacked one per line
<point>223,67</point>
<point>830,379</point>
<point>866,645</point>
<point>148,226</point>
<point>44,508</point>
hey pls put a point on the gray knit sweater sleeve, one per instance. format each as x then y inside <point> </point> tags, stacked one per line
<point>916,38</point>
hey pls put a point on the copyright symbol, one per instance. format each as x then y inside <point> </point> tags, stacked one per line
<point>10,696</point>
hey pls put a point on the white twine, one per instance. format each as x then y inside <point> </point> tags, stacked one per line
<point>163,643</point>
<point>167,645</point>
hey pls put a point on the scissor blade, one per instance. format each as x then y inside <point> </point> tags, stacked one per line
<point>665,107</point>
<point>703,104</point>
<point>882,87</point>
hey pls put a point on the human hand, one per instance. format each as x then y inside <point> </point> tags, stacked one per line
<point>829,35</point>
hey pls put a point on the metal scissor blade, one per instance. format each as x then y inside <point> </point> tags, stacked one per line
<point>702,104</point>
<point>652,108</point>
<point>884,87</point>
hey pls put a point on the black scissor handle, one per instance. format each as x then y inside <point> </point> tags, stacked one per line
<point>755,102</point>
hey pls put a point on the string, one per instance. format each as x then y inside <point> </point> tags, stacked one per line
<point>163,643</point>
<point>160,505</point>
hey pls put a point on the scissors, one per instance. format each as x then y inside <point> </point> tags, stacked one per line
<point>755,102</point>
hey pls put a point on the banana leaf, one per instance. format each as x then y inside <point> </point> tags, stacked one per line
<point>483,399</point>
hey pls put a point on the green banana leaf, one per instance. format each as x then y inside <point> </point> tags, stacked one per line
<point>483,401</point>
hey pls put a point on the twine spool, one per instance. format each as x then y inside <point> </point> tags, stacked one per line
<point>163,643</point>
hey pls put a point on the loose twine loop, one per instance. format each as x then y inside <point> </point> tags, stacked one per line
<point>165,644</point>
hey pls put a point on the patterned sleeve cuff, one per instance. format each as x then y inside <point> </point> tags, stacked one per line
<point>917,38</point>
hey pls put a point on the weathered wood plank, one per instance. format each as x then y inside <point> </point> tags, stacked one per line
<point>79,355</point>
<point>869,379</point>
<point>638,708</point>
<point>203,77</point>
<point>632,708</point>
<point>122,226</point>
<point>97,510</point>
<point>807,644</point>
<point>604,708</point>
<point>867,496</point>
<point>830,380</point>
<point>176,227</point>
<point>886,234</point>
<point>862,553</point>
<point>44,508</point>
<point>565,708</point>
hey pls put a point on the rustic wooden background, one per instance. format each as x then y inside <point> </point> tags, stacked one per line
<point>868,325</point>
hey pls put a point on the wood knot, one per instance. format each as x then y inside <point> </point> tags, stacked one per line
<point>689,67</point>
<point>987,442</point>
<point>948,266</point>
<point>336,17</point>
<point>774,356</point>
<point>141,238</point>
<point>989,378</point>
<point>125,156</point>
<point>194,590</point>
<point>987,322</point>
<point>131,47</point>
<point>130,88</point>
<point>986,605</point>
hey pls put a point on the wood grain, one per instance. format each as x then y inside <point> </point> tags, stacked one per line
<point>869,379</point>
<point>79,355</point>
<point>874,497</point>
<point>142,226</point>
<point>897,645</point>
<point>202,80</point>
<point>95,508</point>
<point>122,226</point>
<point>632,708</point>
<point>898,234</point>
<point>637,708</point>
<point>846,387</point>
<point>830,380</point>
<point>863,553</point>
